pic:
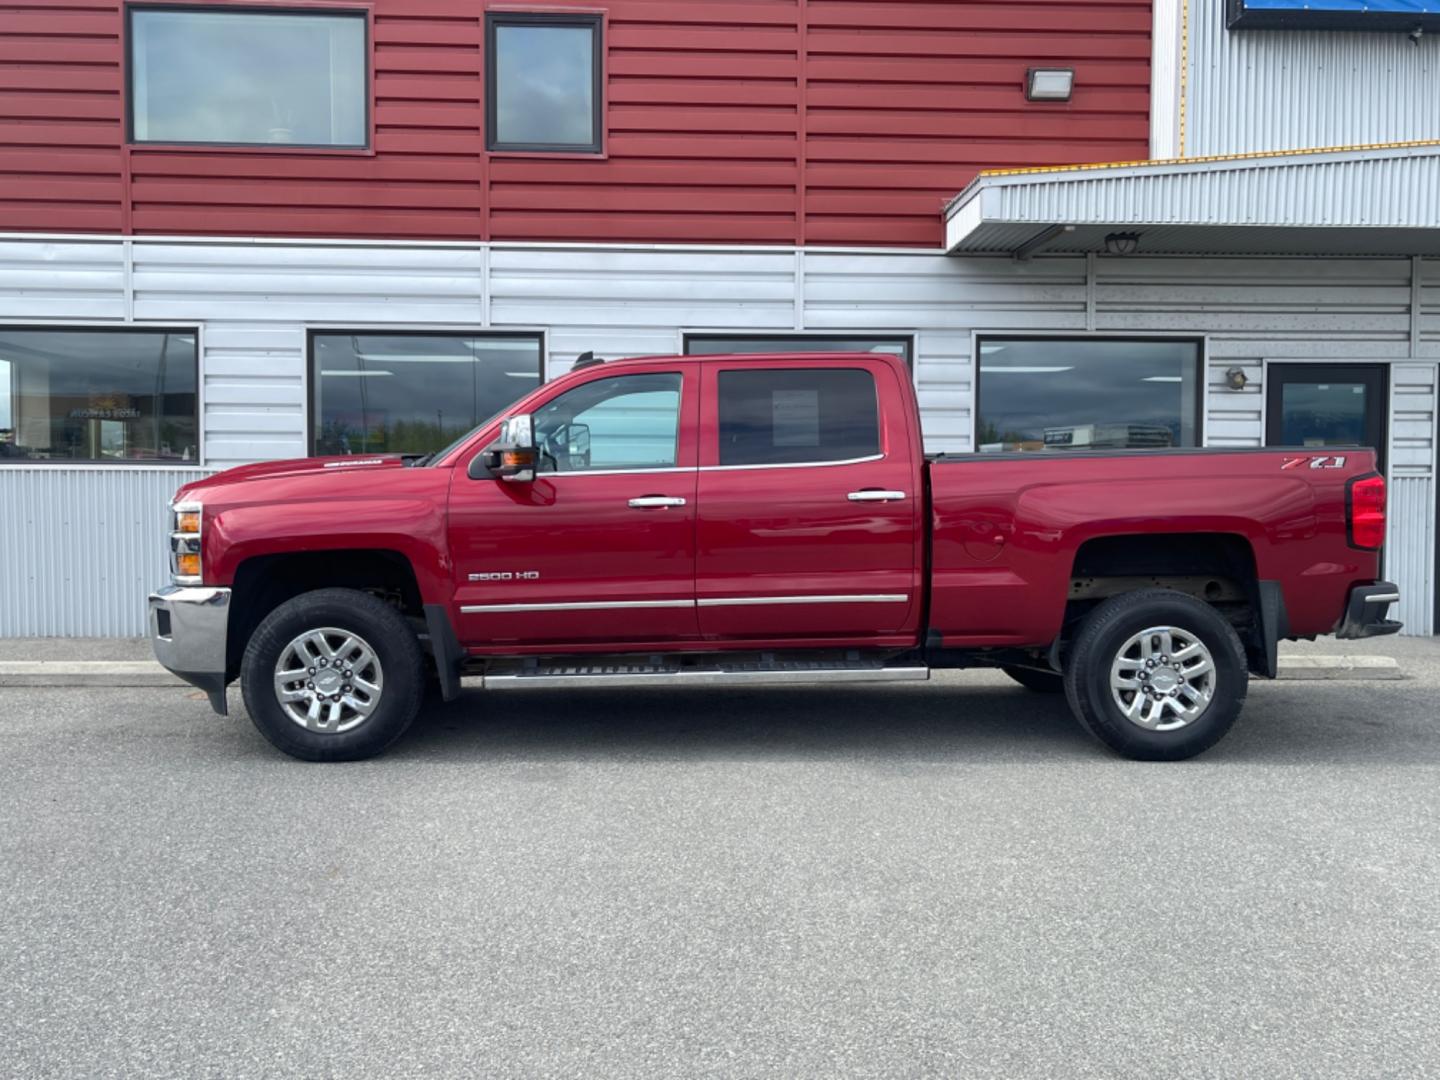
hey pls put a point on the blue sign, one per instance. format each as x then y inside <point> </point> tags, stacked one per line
<point>1395,15</point>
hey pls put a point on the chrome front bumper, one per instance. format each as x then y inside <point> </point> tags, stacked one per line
<point>188,625</point>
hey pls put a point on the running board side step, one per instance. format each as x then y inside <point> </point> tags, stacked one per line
<point>708,671</point>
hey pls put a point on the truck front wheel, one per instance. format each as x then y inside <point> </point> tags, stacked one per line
<point>1156,675</point>
<point>333,675</point>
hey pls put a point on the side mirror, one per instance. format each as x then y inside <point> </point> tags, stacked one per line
<point>513,455</point>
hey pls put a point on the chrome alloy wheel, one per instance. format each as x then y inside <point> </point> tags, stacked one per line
<point>328,680</point>
<point>1163,678</point>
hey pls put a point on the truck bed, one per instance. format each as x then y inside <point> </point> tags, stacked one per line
<point>1007,528</point>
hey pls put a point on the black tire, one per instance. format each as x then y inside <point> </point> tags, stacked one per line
<point>395,647</point>
<point>1101,639</point>
<point>1042,682</point>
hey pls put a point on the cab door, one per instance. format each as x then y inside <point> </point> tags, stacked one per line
<point>810,509</point>
<point>600,547</point>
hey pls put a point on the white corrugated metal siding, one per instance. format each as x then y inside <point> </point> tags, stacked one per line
<point>1410,554</point>
<point>944,302</point>
<point>254,301</point>
<point>83,547</point>
<point>1249,90</point>
<point>635,302</point>
<point>64,279</point>
<point>1397,188</point>
<point>1429,305</point>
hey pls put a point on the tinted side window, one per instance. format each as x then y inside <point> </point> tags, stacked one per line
<point>624,422</point>
<point>788,416</point>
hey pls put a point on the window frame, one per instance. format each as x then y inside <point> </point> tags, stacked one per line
<point>1202,388</point>
<point>909,337</point>
<point>362,9</point>
<point>312,376</point>
<point>197,329</point>
<point>593,19</point>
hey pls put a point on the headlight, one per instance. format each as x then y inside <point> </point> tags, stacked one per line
<point>185,544</point>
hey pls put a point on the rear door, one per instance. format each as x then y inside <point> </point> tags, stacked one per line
<point>809,515</point>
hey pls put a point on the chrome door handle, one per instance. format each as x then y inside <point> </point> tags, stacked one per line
<point>652,502</point>
<point>875,495</point>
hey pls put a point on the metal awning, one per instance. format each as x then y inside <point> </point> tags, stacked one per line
<point>1382,200</point>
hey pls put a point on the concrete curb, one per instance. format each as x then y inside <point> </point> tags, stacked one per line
<point>148,673</point>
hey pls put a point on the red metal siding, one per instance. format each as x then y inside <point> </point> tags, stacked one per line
<point>753,121</point>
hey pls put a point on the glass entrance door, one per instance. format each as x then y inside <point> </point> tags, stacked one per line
<point>1320,405</point>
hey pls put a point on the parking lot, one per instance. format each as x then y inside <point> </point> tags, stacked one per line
<point>938,879</point>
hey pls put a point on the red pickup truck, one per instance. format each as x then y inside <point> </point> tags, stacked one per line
<point>753,520</point>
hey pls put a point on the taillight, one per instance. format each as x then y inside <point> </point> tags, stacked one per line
<point>1365,510</point>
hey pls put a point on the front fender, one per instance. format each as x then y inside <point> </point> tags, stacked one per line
<point>412,527</point>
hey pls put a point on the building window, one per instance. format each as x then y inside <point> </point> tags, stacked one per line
<point>775,416</point>
<point>248,77</point>
<point>712,344</point>
<point>1087,393</point>
<point>375,392</point>
<point>543,87</point>
<point>98,395</point>
<point>623,422</point>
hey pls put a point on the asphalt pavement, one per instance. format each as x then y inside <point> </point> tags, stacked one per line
<point>941,879</point>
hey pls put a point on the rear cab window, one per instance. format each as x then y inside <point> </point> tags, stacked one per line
<point>796,416</point>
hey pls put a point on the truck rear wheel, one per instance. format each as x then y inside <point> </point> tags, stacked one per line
<point>333,675</point>
<point>1156,675</point>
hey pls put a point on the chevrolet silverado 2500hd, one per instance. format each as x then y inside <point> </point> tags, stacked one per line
<point>754,520</point>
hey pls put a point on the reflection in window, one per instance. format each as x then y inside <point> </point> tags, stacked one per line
<point>1323,414</point>
<point>98,395</point>
<point>543,87</point>
<point>248,77</point>
<point>413,393</point>
<point>776,417</point>
<point>716,344</point>
<point>1087,393</point>
<point>621,422</point>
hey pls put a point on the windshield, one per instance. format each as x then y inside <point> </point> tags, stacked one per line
<point>444,452</point>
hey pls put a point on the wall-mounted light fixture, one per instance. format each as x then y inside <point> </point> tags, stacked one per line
<point>1122,243</point>
<point>1049,84</point>
<point>1235,378</point>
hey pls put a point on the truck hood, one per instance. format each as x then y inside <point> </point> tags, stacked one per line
<point>269,470</point>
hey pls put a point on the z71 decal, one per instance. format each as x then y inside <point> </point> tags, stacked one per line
<point>1329,462</point>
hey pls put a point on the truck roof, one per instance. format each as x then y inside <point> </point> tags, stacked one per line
<point>752,357</point>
